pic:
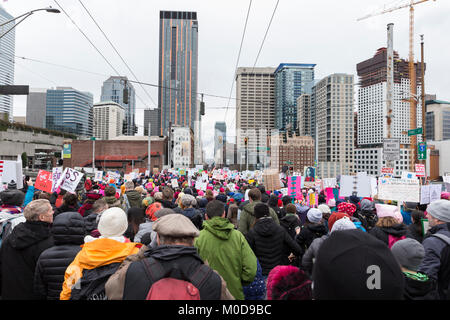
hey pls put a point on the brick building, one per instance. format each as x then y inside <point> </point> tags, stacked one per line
<point>292,151</point>
<point>122,153</point>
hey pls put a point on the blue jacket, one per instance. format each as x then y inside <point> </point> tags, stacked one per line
<point>436,263</point>
<point>406,216</point>
<point>28,196</point>
<point>257,289</point>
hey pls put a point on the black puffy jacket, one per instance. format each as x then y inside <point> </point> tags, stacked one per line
<point>308,233</point>
<point>68,233</point>
<point>289,222</point>
<point>270,243</point>
<point>19,254</point>
<point>91,222</point>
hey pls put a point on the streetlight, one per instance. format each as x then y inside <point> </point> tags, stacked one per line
<point>27,14</point>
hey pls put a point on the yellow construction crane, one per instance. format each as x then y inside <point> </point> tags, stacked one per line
<point>412,74</point>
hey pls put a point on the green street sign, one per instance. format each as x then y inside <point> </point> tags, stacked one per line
<point>422,150</point>
<point>92,138</point>
<point>414,132</point>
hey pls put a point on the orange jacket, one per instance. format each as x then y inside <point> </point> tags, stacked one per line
<point>95,254</point>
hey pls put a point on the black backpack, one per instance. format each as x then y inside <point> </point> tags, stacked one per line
<point>91,286</point>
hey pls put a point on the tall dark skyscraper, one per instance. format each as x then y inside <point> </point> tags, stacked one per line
<point>152,116</point>
<point>178,64</point>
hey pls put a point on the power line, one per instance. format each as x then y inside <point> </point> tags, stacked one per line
<point>112,45</point>
<point>107,61</point>
<point>264,39</point>
<point>239,55</point>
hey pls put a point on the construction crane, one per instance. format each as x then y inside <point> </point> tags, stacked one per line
<point>412,74</point>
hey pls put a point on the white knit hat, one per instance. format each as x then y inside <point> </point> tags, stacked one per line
<point>324,208</point>
<point>314,215</point>
<point>113,222</point>
<point>343,224</point>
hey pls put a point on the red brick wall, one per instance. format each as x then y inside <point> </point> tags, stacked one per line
<point>82,153</point>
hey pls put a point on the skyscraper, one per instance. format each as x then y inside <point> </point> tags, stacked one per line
<point>372,112</point>
<point>108,120</point>
<point>178,64</point>
<point>70,110</point>
<point>112,90</point>
<point>335,124</point>
<point>291,81</point>
<point>220,138</point>
<point>152,116</point>
<point>255,112</point>
<point>36,107</point>
<point>7,50</point>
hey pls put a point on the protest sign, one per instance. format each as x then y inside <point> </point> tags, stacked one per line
<point>408,175</point>
<point>425,194</point>
<point>356,185</point>
<point>329,194</point>
<point>127,177</point>
<point>70,179</point>
<point>446,179</point>
<point>284,191</point>
<point>294,186</point>
<point>56,177</point>
<point>329,183</point>
<point>98,176</point>
<point>435,192</point>
<point>147,173</point>
<point>405,190</point>
<point>420,170</point>
<point>11,170</point>
<point>44,181</point>
<point>174,183</point>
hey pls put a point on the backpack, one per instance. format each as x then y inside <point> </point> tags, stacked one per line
<point>8,224</point>
<point>165,287</point>
<point>91,286</point>
<point>126,203</point>
<point>393,239</point>
<point>447,241</point>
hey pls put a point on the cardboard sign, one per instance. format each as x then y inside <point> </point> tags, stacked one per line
<point>44,181</point>
<point>425,194</point>
<point>271,180</point>
<point>420,170</point>
<point>435,192</point>
<point>70,179</point>
<point>405,190</point>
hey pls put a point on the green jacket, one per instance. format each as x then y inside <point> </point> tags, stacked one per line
<point>247,219</point>
<point>227,251</point>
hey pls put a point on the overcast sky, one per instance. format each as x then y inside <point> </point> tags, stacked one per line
<point>324,32</point>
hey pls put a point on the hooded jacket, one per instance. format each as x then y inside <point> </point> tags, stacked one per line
<point>134,198</point>
<point>19,254</point>
<point>436,263</point>
<point>176,261</point>
<point>195,216</point>
<point>308,233</point>
<point>226,250</point>
<point>68,232</point>
<point>382,233</point>
<point>289,222</point>
<point>419,287</point>
<point>97,253</point>
<point>112,201</point>
<point>271,244</point>
<point>247,218</point>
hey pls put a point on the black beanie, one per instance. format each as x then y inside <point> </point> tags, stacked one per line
<point>261,210</point>
<point>12,197</point>
<point>349,264</point>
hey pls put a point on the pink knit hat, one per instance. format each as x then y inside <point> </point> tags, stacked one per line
<point>386,210</point>
<point>201,193</point>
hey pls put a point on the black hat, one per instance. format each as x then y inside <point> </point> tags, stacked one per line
<point>261,210</point>
<point>354,265</point>
<point>12,197</point>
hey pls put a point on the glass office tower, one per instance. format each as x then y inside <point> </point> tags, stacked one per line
<point>178,61</point>
<point>291,81</point>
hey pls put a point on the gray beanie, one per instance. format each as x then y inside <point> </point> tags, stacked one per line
<point>409,253</point>
<point>12,185</point>
<point>440,209</point>
<point>343,224</point>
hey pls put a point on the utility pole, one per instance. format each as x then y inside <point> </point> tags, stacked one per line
<point>390,84</point>
<point>93,155</point>
<point>149,149</point>
<point>169,151</point>
<point>424,113</point>
<point>413,90</point>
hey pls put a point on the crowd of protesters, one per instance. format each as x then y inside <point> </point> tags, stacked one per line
<point>144,239</point>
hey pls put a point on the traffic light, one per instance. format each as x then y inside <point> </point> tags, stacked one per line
<point>124,127</point>
<point>245,141</point>
<point>202,108</point>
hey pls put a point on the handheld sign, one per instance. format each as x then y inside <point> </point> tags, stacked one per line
<point>44,181</point>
